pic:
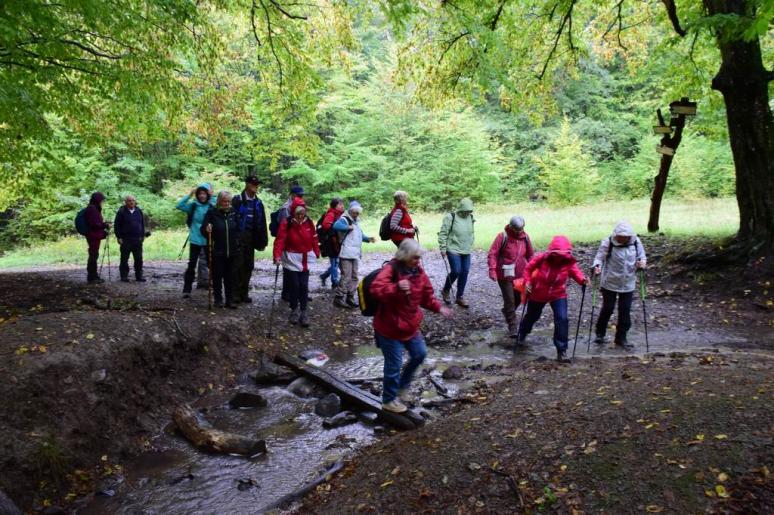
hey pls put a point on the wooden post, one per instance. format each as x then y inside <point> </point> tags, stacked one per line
<point>680,109</point>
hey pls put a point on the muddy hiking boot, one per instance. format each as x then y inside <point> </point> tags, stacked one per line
<point>324,279</point>
<point>462,302</point>
<point>446,295</point>
<point>303,319</point>
<point>600,339</point>
<point>561,356</point>
<point>405,396</point>
<point>124,279</point>
<point>394,406</point>
<point>339,303</point>
<point>620,341</point>
<point>294,317</point>
<point>351,302</point>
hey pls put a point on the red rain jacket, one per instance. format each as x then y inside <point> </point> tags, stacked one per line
<point>548,272</point>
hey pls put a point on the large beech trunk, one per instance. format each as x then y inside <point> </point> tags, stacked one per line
<point>743,80</point>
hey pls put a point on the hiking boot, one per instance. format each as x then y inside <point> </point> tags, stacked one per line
<point>96,280</point>
<point>202,286</point>
<point>230,305</point>
<point>561,356</point>
<point>394,406</point>
<point>334,285</point>
<point>124,279</point>
<point>405,396</point>
<point>620,341</point>
<point>293,318</point>
<point>339,303</point>
<point>247,300</point>
<point>446,296</point>
<point>140,280</point>
<point>462,302</point>
<point>600,339</point>
<point>351,303</point>
<point>323,279</point>
<point>218,304</point>
<point>303,319</point>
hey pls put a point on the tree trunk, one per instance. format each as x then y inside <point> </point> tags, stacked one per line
<point>660,181</point>
<point>743,81</point>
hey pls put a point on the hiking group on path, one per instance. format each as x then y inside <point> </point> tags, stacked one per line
<point>225,232</point>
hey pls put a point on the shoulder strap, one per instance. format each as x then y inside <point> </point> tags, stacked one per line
<point>504,242</point>
<point>452,224</point>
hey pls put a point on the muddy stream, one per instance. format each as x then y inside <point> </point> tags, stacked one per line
<point>178,478</point>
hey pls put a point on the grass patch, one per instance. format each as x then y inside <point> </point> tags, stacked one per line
<point>591,222</point>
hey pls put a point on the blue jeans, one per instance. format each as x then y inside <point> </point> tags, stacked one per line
<point>392,350</point>
<point>332,271</point>
<point>561,322</point>
<point>459,265</point>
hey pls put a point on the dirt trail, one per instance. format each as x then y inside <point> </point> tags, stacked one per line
<point>90,383</point>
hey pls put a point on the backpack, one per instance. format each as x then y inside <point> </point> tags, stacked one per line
<point>325,238</point>
<point>81,225</point>
<point>610,247</point>
<point>274,221</point>
<point>368,303</point>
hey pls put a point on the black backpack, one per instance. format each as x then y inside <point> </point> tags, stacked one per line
<point>368,303</point>
<point>274,221</point>
<point>610,247</point>
<point>325,238</point>
<point>385,232</point>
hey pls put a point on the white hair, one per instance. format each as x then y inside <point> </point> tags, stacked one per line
<point>224,195</point>
<point>130,197</point>
<point>400,196</point>
<point>408,250</point>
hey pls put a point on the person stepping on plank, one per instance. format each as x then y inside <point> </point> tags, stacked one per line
<point>617,261</point>
<point>455,241</point>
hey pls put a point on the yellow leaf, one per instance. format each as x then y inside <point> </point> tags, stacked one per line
<point>722,477</point>
<point>386,484</point>
<point>90,336</point>
<point>616,403</point>
<point>721,491</point>
<point>700,438</point>
<point>42,348</point>
<point>654,508</point>
<point>709,493</point>
<point>721,437</point>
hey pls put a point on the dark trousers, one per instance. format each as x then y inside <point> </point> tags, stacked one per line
<point>285,286</point>
<point>91,263</point>
<point>624,312</point>
<point>194,252</point>
<point>244,265</point>
<point>223,278</point>
<point>131,246</point>
<point>459,266</point>
<point>561,322</point>
<point>202,272</point>
<point>298,288</point>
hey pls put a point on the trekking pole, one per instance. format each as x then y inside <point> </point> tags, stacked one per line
<point>180,256</point>
<point>273,301</point>
<point>594,288</point>
<point>209,272</point>
<point>107,244</point>
<point>577,329</point>
<point>102,261</point>
<point>521,317</point>
<point>448,273</point>
<point>643,288</point>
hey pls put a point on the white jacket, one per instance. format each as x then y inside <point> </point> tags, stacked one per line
<point>619,262</point>
<point>352,241</point>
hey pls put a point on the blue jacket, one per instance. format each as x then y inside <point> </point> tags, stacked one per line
<point>187,205</point>
<point>260,230</point>
<point>128,225</point>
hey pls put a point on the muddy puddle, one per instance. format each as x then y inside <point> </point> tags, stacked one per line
<point>180,479</point>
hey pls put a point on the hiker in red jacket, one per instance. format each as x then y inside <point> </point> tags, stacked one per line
<point>402,288</point>
<point>332,245</point>
<point>98,231</point>
<point>508,256</point>
<point>546,277</point>
<point>297,248</point>
<point>401,225</point>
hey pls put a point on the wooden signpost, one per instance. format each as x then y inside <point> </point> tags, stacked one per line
<point>672,135</point>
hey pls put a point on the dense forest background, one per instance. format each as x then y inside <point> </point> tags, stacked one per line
<point>361,134</point>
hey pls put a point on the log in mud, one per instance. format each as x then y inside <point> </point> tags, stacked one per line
<point>199,432</point>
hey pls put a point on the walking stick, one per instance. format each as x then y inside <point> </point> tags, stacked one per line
<point>448,272</point>
<point>102,261</point>
<point>521,317</point>
<point>594,288</point>
<point>180,256</point>
<point>643,288</point>
<point>273,301</point>
<point>577,329</point>
<point>211,266</point>
<point>107,244</point>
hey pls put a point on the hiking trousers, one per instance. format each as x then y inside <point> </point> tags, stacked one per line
<point>194,251</point>
<point>561,321</point>
<point>624,312</point>
<point>133,247</point>
<point>392,350</point>
<point>223,278</point>
<point>348,281</point>
<point>244,266</point>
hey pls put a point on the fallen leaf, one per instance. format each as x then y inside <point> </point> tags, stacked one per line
<point>721,491</point>
<point>386,484</point>
<point>654,508</point>
<point>721,437</point>
<point>722,477</point>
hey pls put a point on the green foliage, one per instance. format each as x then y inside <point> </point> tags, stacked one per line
<point>567,171</point>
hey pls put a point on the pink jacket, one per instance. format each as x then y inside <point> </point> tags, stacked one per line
<point>548,272</point>
<point>517,251</point>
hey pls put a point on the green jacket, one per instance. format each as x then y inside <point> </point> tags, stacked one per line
<point>457,232</point>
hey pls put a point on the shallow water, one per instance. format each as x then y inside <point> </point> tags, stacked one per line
<point>180,479</point>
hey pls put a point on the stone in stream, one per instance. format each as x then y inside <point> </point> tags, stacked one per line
<point>342,419</point>
<point>328,406</point>
<point>453,372</point>
<point>247,400</point>
<point>368,417</point>
<point>271,373</point>
<point>305,388</point>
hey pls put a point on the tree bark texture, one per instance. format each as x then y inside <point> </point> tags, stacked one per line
<point>743,82</point>
<point>660,181</point>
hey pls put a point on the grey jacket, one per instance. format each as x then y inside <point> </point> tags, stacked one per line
<point>619,262</point>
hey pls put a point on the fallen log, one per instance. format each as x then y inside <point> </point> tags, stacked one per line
<point>201,433</point>
<point>301,492</point>
<point>349,393</point>
<point>447,402</point>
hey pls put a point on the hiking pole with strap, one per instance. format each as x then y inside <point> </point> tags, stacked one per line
<point>643,288</point>
<point>594,288</point>
<point>211,266</point>
<point>580,313</point>
<point>182,249</point>
<point>273,302</point>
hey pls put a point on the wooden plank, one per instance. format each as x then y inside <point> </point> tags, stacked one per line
<point>662,129</point>
<point>667,151</point>
<point>686,110</point>
<point>348,393</point>
<point>201,433</point>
